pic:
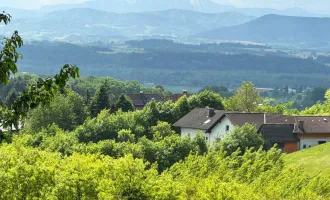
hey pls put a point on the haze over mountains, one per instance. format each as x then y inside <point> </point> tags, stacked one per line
<point>275,28</point>
<point>173,19</point>
<point>209,6</point>
<point>285,52</point>
<point>83,21</point>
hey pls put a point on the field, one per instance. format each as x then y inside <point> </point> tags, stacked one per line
<point>313,161</point>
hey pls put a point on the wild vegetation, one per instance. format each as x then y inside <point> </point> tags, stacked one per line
<point>83,139</point>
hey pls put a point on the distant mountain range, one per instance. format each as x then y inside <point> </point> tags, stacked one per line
<point>89,22</point>
<point>124,6</point>
<point>275,28</point>
<point>208,6</point>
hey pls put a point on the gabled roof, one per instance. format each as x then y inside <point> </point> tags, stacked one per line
<point>278,133</point>
<point>142,99</point>
<point>199,119</point>
<point>239,119</point>
<point>312,124</point>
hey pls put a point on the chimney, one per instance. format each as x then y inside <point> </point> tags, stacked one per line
<point>210,112</point>
<point>301,125</point>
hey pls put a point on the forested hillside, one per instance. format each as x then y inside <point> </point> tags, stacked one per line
<point>185,68</point>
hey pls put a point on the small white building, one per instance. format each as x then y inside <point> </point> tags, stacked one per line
<point>292,133</point>
<point>215,124</point>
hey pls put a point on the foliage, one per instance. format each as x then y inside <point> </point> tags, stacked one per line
<point>65,110</point>
<point>101,100</point>
<point>206,98</point>
<point>223,91</point>
<point>39,93</point>
<point>242,138</point>
<point>285,108</point>
<point>9,56</point>
<point>124,104</point>
<point>246,98</point>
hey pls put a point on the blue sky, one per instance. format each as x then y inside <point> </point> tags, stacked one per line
<point>311,5</point>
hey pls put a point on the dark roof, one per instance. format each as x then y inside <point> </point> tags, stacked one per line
<point>239,119</point>
<point>313,124</point>
<point>142,99</point>
<point>278,133</point>
<point>280,119</point>
<point>199,119</point>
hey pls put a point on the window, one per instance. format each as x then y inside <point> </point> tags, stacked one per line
<point>206,138</point>
<point>322,142</point>
<point>304,146</point>
<point>227,127</point>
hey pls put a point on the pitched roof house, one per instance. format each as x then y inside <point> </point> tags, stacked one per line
<point>176,97</point>
<point>140,100</point>
<point>291,133</point>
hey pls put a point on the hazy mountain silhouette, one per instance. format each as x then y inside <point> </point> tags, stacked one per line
<point>275,28</point>
<point>83,21</point>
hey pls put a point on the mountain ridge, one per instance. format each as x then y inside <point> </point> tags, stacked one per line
<point>275,28</point>
<point>86,21</point>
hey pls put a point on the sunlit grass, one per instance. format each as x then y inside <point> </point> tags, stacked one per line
<point>313,161</point>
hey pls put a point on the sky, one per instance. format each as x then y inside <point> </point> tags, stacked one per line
<point>311,5</point>
<point>34,4</point>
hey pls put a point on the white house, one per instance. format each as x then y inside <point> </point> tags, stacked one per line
<point>215,124</point>
<point>291,133</point>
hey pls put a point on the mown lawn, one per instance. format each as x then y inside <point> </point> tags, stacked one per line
<point>314,160</point>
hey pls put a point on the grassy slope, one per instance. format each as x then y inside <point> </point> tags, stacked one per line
<point>314,160</point>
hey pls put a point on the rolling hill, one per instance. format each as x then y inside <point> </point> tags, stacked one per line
<point>208,6</point>
<point>124,6</point>
<point>275,28</point>
<point>94,23</point>
<point>313,161</point>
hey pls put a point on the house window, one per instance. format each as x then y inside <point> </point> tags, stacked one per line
<point>227,127</point>
<point>322,142</point>
<point>304,146</point>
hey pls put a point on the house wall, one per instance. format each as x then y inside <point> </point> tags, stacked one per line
<point>219,131</point>
<point>291,147</point>
<point>310,140</point>
<point>192,133</point>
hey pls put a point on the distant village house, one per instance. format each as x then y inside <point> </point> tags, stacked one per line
<point>290,133</point>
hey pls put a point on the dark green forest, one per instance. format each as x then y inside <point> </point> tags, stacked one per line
<point>170,65</point>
